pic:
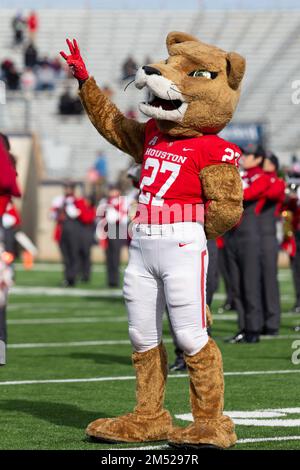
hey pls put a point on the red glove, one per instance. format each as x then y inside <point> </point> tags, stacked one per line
<point>75,62</point>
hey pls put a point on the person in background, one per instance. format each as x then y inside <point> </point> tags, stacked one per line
<point>8,188</point>
<point>28,80</point>
<point>45,77</point>
<point>30,56</point>
<point>244,244</point>
<point>11,221</point>
<point>100,165</point>
<point>69,105</point>
<point>10,75</point>
<point>223,271</point>
<point>87,220</point>
<point>291,242</point>
<point>129,68</point>
<point>270,208</point>
<point>65,210</point>
<point>113,215</point>
<point>18,26</point>
<point>32,25</point>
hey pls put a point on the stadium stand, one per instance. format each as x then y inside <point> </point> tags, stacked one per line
<point>268,39</point>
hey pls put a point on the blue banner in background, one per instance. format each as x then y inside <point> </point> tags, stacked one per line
<point>243,134</point>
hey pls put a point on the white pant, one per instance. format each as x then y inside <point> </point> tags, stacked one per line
<point>167,266</point>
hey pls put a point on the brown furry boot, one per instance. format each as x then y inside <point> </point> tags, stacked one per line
<point>149,421</point>
<point>210,428</point>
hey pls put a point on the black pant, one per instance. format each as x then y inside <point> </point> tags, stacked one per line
<point>3,335</point>
<point>212,271</point>
<point>295,263</point>
<point>223,269</point>
<point>87,232</point>
<point>269,268</point>
<point>243,249</point>
<point>69,246</point>
<point>113,259</point>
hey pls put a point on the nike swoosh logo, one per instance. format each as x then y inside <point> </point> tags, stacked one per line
<point>184,244</point>
<point>186,150</point>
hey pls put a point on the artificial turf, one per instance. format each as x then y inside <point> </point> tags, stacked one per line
<point>54,415</point>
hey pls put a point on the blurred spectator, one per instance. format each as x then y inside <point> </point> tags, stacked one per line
<point>5,66</point>
<point>30,56</point>
<point>112,232</point>
<point>10,75</point>
<point>45,77</point>
<point>69,105</point>
<point>18,27</point>
<point>100,165</point>
<point>129,68</point>
<point>58,68</point>
<point>131,113</point>
<point>87,219</point>
<point>28,80</point>
<point>32,25</point>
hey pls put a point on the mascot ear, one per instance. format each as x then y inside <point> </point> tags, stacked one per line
<point>236,65</point>
<point>176,37</point>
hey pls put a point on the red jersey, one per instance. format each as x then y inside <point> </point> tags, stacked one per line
<point>255,183</point>
<point>8,175</point>
<point>275,193</point>
<point>170,187</point>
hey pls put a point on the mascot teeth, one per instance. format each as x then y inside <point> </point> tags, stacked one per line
<point>165,101</point>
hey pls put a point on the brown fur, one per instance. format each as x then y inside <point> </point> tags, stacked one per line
<point>211,102</point>
<point>211,105</point>
<point>223,189</point>
<point>207,399</point>
<point>125,134</point>
<point>149,421</point>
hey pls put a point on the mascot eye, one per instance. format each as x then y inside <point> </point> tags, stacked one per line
<point>203,73</point>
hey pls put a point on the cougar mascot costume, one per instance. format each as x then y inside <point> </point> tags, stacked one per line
<point>190,190</point>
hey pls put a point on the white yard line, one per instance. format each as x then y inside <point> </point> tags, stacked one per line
<point>56,267</point>
<point>125,378</point>
<point>113,342</point>
<point>75,292</point>
<point>66,292</point>
<point>62,321</point>
<point>240,441</point>
<point>110,319</point>
<point>69,344</point>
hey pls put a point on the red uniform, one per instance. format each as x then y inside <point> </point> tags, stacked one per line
<point>8,183</point>
<point>256,183</point>
<point>275,193</point>
<point>170,175</point>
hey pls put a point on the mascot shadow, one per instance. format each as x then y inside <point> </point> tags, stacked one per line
<point>98,358</point>
<point>62,414</point>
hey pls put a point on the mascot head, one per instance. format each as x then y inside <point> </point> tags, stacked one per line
<point>195,91</point>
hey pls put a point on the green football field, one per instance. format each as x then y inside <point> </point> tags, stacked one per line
<point>69,363</point>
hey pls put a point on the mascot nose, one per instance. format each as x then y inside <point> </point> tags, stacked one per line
<point>151,70</point>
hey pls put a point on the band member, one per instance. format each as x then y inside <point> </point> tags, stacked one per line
<point>87,219</point>
<point>269,208</point>
<point>8,188</point>
<point>243,244</point>
<point>65,212</point>
<point>113,214</point>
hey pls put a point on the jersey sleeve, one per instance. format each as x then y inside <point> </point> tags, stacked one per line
<point>276,192</point>
<point>218,151</point>
<point>257,189</point>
